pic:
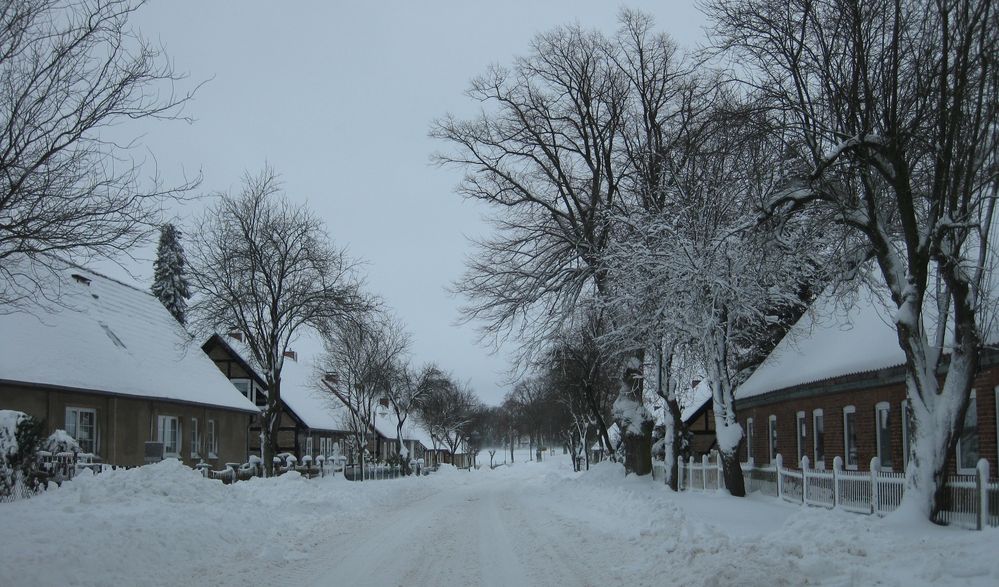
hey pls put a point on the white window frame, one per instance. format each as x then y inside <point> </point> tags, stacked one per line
<point>846,438</point>
<point>819,463</point>
<point>161,435</point>
<point>772,444</point>
<point>801,430</point>
<point>308,445</point>
<point>195,439</point>
<point>749,441</point>
<point>73,425</point>
<point>878,409</point>
<point>966,470</point>
<point>212,447</point>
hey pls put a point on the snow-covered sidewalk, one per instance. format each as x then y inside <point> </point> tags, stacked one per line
<point>529,524</point>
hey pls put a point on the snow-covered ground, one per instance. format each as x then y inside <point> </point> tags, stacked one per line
<point>529,524</point>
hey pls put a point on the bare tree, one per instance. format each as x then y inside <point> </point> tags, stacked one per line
<point>69,71</point>
<point>551,158</point>
<point>266,268</point>
<point>363,353</point>
<point>706,270</point>
<point>447,410</point>
<point>894,106</point>
<point>406,388</point>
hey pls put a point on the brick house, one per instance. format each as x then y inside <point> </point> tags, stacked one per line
<point>311,422</point>
<point>111,366</point>
<point>835,386</point>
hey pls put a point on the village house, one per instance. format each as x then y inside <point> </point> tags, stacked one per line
<point>312,422</point>
<point>314,417</point>
<point>835,386</point>
<point>107,363</point>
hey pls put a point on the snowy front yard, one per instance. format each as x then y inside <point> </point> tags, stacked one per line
<point>530,524</point>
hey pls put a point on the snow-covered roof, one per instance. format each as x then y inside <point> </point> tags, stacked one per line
<point>695,399</point>
<point>106,336</point>
<point>829,341</point>
<point>301,392</point>
<point>301,389</point>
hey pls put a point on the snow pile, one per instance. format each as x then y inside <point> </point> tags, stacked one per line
<point>713,539</point>
<point>155,524</point>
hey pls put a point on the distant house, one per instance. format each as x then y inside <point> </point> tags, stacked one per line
<point>598,451</point>
<point>111,366</point>
<point>312,423</point>
<point>698,416</point>
<point>835,386</point>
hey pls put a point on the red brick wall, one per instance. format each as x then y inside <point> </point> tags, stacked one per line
<point>865,401</point>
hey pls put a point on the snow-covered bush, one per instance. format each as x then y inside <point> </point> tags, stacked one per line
<point>20,440</point>
<point>61,442</point>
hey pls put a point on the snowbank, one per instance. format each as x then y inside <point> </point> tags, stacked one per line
<point>153,524</point>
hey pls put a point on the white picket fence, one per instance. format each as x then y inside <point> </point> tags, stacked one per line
<point>974,499</point>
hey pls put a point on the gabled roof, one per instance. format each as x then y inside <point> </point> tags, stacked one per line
<point>695,401</point>
<point>105,336</point>
<point>829,341</point>
<point>301,389</point>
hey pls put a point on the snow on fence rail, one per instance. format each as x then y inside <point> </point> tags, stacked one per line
<point>973,500</point>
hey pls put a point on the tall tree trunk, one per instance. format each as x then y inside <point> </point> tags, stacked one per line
<point>270,426</point>
<point>634,420</point>
<point>938,413</point>
<point>728,432</point>
<point>666,386</point>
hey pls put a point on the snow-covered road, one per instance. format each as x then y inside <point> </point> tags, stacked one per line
<point>530,524</point>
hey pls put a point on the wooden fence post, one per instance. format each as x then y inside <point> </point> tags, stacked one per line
<point>982,481</point>
<point>691,470</point>
<point>679,472</point>
<point>837,468</point>
<point>778,465</point>
<point>804,479</point>
<point>875,467</point>
<point>704,472</point>
<point>718,471</point>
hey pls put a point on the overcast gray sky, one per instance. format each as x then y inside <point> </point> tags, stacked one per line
<point>338,97</point>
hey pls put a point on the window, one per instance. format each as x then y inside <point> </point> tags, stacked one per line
<point>81,424</point>
<point>749,440</point>
<point>213,441</point>
<point>772,429</point>
<point>967,443</point>
<point>195,439</point>
<point>245,387</point>
<point>882,427</point>
<point>324,446</point>
<point>819,439</point>
<point>169,435</point>
<point>802,428</point>
<point>308,445</point>
<point>906,427</point>
<point>850,437</point>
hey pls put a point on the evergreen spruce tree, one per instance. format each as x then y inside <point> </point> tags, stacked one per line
<point>169,283</point>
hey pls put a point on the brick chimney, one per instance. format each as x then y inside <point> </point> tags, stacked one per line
<point>236,335</point>
<point>291,355</point>
<point>331,377</point>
